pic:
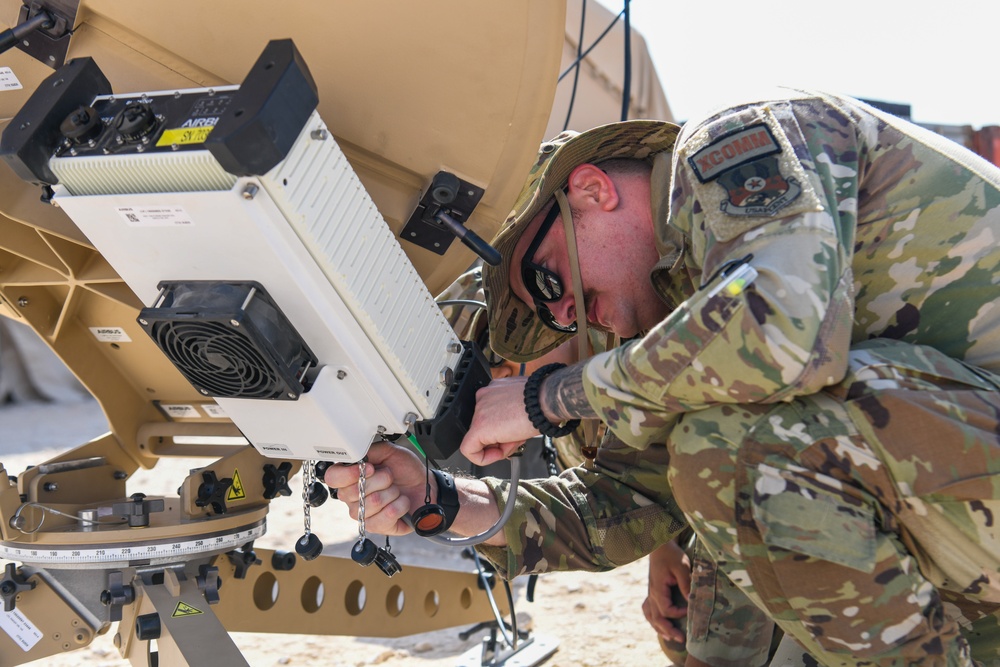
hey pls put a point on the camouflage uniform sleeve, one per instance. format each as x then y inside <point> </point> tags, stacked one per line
<point>788,210</point>
<point>588,518</point>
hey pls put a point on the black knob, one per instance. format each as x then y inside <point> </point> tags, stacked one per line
<point>213,491</point>
<point>317,494</point>
<point>309,546</point>
<point>444,187</point>
<point>276,480</point>
<point>321,467</point>
<point>364,552</point>
<point>282,560</point>
<point>147,627</point>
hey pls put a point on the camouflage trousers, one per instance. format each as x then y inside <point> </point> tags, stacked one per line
<point>861,518</point>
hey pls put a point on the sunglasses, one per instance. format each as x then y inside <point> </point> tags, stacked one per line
<point>543,285</point>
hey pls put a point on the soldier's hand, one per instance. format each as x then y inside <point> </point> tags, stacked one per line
<point>669,568</point>
<point>500,424</point>
<point>394,484</point>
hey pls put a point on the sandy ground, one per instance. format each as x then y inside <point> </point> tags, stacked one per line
<point>595,619</point>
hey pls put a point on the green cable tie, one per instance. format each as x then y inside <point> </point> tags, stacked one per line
<point>413,441</point>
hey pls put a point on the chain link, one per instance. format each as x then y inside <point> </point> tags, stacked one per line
<point>308,471</point>
<point>362,535</point>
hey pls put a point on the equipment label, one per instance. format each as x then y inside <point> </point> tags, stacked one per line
<point>8,81</point>
<point>270,449</point>
<point>110,334</point>
<point>181,411</point>
<point>236,491</point>
<point>184,609</point>
<point>342,453</point>
<point>184,135</point>
<point>21,630</point>
<point>214,411</point>
<point>154,216</point>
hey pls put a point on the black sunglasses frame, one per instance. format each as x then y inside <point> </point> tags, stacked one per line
<point>535,275</point>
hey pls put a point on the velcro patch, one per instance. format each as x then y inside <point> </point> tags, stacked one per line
<point>732,150</point>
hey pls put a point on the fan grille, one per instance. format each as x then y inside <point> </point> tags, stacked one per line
<point>229,339</point>
<point>218,359</point>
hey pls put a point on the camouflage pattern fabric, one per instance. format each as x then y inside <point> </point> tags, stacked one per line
<point>725,628</point>
<point>892,232</point>
<point>857,225</point>
<point>862,517</point>
<point>859,513</point>
<point>467,287</point>
<point>594,518</point>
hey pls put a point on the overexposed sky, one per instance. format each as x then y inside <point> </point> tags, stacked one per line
<point>941,58</point>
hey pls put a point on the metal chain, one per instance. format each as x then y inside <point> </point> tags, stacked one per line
<point>362,535</point>
<point>308,470</point>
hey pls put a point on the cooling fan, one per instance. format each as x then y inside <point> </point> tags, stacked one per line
<point>229,340</point>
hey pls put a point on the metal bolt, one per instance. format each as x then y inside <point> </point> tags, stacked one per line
<point>51,486</point>
<point>235,323</point>
<point>120,475</point>
<point>143,322</point>
<point>291,395</point>
<point>318,135</point>
<point>454,348</point>
<point>250,191</point>
<point>341,374</point>
<point>446,377</point>
<point>204,391</point>
<point>23,302</point>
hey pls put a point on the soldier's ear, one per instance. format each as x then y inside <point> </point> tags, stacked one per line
<point>590,186</point>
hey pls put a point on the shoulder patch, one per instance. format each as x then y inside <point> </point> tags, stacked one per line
<point>732,150</point>
<point>757,188</point>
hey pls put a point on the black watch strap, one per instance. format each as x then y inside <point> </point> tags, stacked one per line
<point>447,496</point>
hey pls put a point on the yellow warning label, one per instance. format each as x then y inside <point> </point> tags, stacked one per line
<point>184,609</point>
<point>184,135</point>
<point>236,491</point>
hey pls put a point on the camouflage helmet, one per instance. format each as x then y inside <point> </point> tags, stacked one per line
<point>515,332</point>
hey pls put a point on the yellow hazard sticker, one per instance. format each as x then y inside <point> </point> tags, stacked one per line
<point>184,609</point>
<point>236,491</point>
<point>184,135</point>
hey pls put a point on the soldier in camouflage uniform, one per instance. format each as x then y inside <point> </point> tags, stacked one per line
<point>459,305</point>
<point>821,366</point>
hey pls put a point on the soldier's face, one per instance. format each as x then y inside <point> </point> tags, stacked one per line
<point>616,252</point>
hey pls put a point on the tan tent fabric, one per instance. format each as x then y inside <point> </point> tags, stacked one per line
<point>599,89</point>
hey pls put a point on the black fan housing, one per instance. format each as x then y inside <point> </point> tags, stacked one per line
<point>229,339</point>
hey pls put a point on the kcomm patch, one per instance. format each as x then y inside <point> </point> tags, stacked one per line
<point>746,165</point>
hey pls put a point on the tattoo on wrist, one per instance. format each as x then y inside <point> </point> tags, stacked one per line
<point>562,397</point>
